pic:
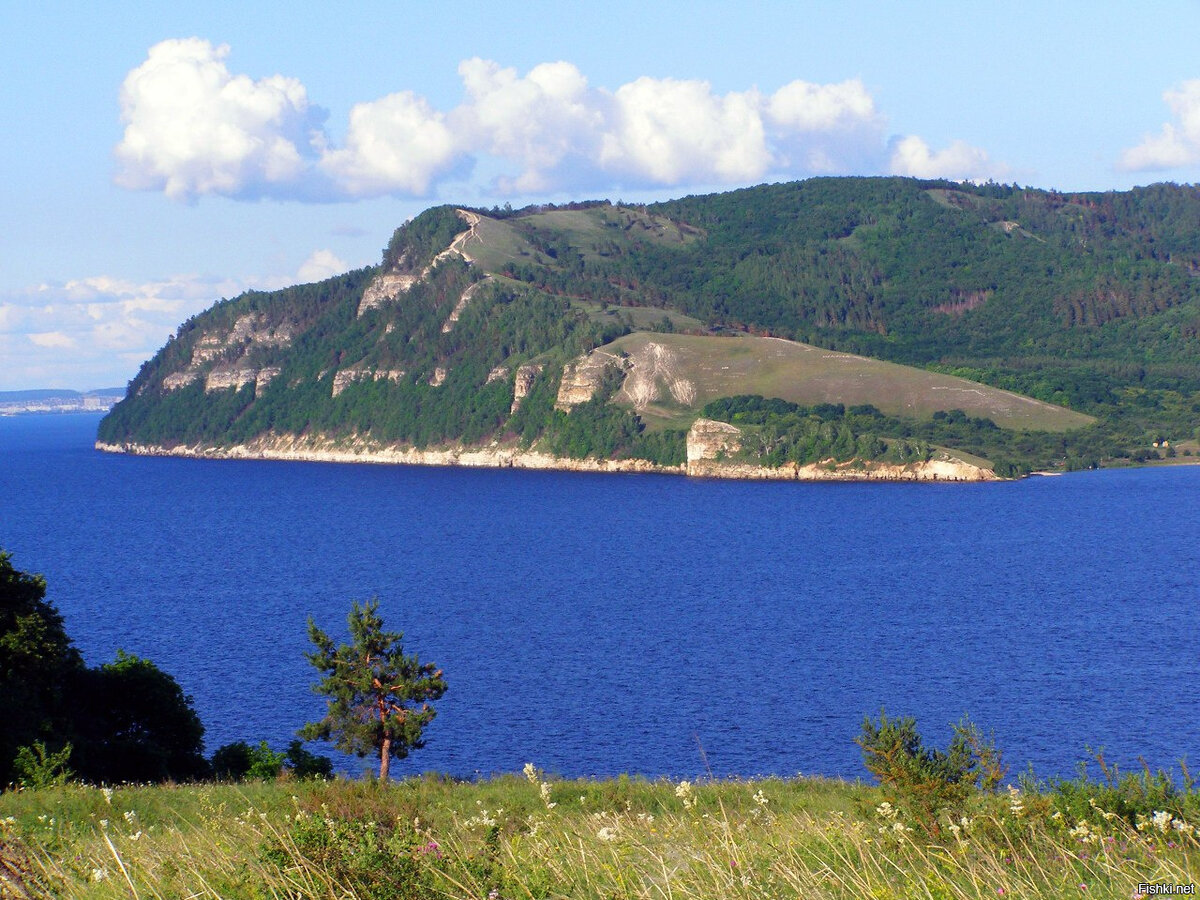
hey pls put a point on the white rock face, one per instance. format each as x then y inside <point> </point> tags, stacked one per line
<point>522,382</point>
<point>345,377</point>
<point>177,380</point>
<point>711,440</point>
<point>581,378</point>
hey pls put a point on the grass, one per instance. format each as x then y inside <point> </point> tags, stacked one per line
<point>800,373</point>
<point>512,837</point>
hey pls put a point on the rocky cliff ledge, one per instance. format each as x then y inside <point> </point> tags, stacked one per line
<point>709,444</point>
<point>712,445</point>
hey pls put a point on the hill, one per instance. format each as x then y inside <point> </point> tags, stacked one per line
<point>1024,327</point>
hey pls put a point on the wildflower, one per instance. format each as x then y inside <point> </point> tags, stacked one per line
<point>684,792</point>
<point>760,798</point>
<point>130,816</point>
<point>886,810</point>
<point>531,773</point>
<point>431,849</point>
<point>607,834</point>
<point>135,836</point>
<point>1178,824</point>
<point>1161,820</point>
<point>1083,833</point>
<point>544,789</point>
<point>99,874</point>
<point>1015,804</point>
<point>107,792</point>
<point>104,823</point>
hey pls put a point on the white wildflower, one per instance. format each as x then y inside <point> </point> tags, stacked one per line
<point>1161,820</point>
<point>607,834</point>
<point>760,798</point>
<point>130,816</point>
<point>886,810</point>
<point>99,874</point>
<point>107,792</point>
<point>685,793</point>
<point>531,773</point>
<point>1015,805</point>
<point>544,790</point>
<point>104,823</point>
<point>1178,824</point>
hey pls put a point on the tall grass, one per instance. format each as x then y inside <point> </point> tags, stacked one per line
<point>512,837</point>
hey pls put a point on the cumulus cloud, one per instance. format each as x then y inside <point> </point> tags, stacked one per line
<point>1178,143</point>
<point>959,161</point>
<point>397,144</point>
<point>194,128</point>
<point>321,264</point>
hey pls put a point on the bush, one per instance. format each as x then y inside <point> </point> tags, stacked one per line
<point>926,782</point>
<point>37,767</point>
<point>240,761</point>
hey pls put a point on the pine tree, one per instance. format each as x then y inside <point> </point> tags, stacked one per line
<point>378,696</point>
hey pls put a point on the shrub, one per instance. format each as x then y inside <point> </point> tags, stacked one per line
<point>923,781</point>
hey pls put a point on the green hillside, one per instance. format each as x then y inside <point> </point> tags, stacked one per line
<point>528,328</point>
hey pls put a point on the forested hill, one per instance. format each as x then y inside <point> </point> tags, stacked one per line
<point>528,327</point>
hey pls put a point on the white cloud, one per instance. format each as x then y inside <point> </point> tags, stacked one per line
<point>321,264</point>
<point>959,162</point>
<point>52,340</point>
<point>668,132</point>
<point>543,121</point>
<point>193,128</point>
<point>1178,143</point>
<point>397,144</point>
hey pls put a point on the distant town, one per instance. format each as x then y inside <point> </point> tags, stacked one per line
<point>50,400</point>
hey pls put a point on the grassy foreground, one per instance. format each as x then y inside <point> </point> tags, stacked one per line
<point>513,837</point>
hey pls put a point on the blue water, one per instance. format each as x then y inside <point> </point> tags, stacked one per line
<point>597,624</point>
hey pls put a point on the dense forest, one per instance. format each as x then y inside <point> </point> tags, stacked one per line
<point>1089,301</point>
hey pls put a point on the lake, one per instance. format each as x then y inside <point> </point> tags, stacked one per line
<point>598,624</point>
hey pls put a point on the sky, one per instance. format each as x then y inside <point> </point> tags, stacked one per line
<point>158,157</point>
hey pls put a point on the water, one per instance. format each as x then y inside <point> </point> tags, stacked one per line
<point>597,624</point>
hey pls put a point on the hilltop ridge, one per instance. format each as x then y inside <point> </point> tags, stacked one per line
<point>897,319</point>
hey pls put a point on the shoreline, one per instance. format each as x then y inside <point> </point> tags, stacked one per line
<point>288,448</point>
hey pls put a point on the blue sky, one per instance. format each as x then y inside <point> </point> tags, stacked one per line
<point>161,156</point>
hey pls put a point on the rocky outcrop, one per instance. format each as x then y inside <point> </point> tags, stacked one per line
<point>177,380</point>
<point>581,378</point>
<point>346,377</point>
<point>386,287</point>
<point>709,441</point>
<point>249,331</point>
<point>235,377</point>
<point>711,446</point>
<point>522,382</point>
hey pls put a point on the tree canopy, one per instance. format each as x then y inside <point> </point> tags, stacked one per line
<point>378,695</point>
